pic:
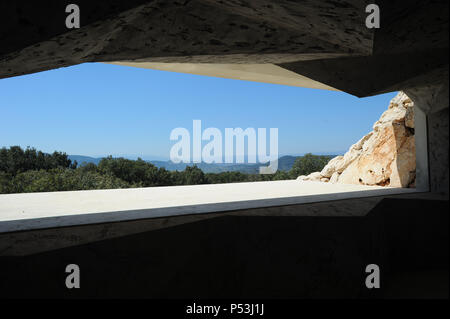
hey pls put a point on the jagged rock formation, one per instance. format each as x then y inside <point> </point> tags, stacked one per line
<point>385,157</point>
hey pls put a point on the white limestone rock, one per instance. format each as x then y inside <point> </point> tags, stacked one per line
<point>315,177</point>
<point>331,167</point>
<point>335,177</point>
<point>385,156</point>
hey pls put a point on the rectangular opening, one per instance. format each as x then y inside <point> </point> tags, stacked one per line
<point>328,147</point>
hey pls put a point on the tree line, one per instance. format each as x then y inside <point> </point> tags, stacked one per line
<point>29,170</point>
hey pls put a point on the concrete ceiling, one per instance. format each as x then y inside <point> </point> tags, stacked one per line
<point>266,73</point>
<point>312,43</point>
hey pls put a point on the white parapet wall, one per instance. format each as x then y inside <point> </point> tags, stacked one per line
<point>19,212</point>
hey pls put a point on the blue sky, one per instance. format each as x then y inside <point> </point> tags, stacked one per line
<point>97,109</point>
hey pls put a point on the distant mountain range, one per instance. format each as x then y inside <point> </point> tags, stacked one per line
<point>84,159</point>
<point>284,163</point>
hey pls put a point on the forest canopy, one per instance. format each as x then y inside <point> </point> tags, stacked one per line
<point>30,170</point>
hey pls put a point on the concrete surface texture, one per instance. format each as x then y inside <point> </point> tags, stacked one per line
<point>33,241</point>
<point>433,99</point>
<point>279,252</point>
<point>325,41</point>
<point>267,73</point>
<point>56,209</point>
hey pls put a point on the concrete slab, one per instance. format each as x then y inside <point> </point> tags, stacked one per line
<point>56,209</point>
<point>266,73</point>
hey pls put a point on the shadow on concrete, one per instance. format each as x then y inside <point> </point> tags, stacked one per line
<point>254,257</point>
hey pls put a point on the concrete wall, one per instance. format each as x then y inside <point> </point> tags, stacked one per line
<point>299,251</point>
<point>433,102</point>
<point>438,151</point>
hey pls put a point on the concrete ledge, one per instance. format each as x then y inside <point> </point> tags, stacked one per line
<point>20,212</point>
<point>266,73</point>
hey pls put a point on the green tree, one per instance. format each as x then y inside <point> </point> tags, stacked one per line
<point>192,175</point>
<point>16,160</point>
<point>308,164</point>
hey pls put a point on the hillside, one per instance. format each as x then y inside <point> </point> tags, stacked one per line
<point>285,163</point>
<point>81,159</point>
